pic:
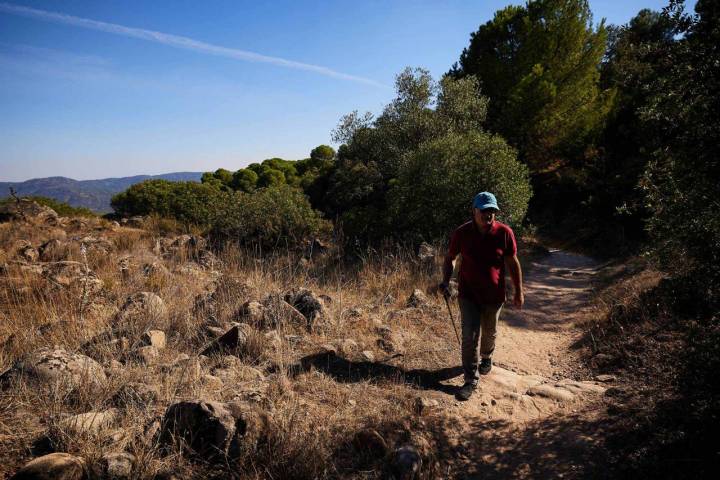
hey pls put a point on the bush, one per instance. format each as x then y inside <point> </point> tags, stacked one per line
<point>272,217</point>
<point>436,184</point>
<point>187,202</point>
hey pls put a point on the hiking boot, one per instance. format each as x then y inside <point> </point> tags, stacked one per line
<point>465,391</point>
<point>485,366</point>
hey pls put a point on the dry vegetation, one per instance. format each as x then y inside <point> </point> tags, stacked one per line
<point>317,410</point>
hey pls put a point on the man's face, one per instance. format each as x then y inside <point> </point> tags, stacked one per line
<point>484,218</point>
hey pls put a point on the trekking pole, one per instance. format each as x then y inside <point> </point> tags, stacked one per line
<point>453,320</point>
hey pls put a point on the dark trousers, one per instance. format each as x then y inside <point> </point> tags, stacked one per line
<point>479,326</point>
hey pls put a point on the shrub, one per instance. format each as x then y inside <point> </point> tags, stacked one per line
<point>272,217</point>
<point>436,184</point>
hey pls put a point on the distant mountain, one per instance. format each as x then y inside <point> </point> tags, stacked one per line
<point>93,194</point>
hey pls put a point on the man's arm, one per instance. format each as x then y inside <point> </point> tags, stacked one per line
<point>513,265</point>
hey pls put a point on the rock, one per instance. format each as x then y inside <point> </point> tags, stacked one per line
<point>406,463</point>
<point>606,378</point>
<point>580,387</point>
<point>53,250</point>
<point>96,245</point>
<point>25,251</point>
<point>426,251</point>
<point>204,428</point>
<point>367,356</point>
<point>347,346</point>
<point>279,312</point>
<point>136,394</point>
<point>213,382</point>
<point>144,308</point>
<point>117,466</point>
<point>72,274</point>
<point>154,338</point>
<point>389,341</point>
<point>55,466</point>
<point>207,259</point>
<point>233,341</point>
<point>370,441</point>
<point>90,423</point>
<point>388,299</point>
<point>135,222</point>
<point>307,303</point>
<point>425,405</point>
<point>155,268</point>
<point>417,299</point>
<point>328,349</point>
<point>553,393</point>
<point>58,366</point>
<point>251,312</point>
<point>30,211</point>
<point>148,354</point>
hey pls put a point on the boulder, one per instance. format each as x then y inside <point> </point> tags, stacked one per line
<point>58,366</point>
<point>417,299</point>
<point>30,211</point>
<point>147,354</point>
<point>251,428</point>
<point>26,251</point>
<point>145,308</point>
<point>117,465</point>
<point>278,312</point>
<point>251,312</point>
<point>72,274</point>
<point>89,423</point>
<point>154,338</point>
<point>425,405</point>
<point>55,466</point>
<point>96,245</point>
<point>53,250</point>
<point>553,393</point>
<point>406,463</point>
<point>136,394</point>
<point>202,427</point>
<point>307,303</point>
<point>233,341</point>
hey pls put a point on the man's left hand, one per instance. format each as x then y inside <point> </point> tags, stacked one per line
<point>519,300</point>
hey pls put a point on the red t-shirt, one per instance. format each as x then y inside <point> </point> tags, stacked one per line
<point>482,270</point>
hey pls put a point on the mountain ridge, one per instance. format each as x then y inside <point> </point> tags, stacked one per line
<point>92,194</point>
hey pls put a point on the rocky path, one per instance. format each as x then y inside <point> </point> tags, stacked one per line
<point>534,416</point>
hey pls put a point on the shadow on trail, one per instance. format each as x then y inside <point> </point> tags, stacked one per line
<point>346,371</point>
<point>559,446</point>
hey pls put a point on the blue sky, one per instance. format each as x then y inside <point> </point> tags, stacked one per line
<point>119,88</point>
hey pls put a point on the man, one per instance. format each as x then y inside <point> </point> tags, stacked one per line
<point>487,248</point>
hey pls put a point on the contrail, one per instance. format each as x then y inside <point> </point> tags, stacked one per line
<point>177,41</point>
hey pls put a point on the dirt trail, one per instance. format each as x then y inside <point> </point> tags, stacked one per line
<point>529,418</point>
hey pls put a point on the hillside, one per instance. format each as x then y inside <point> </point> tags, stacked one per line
<point>177,362</point>
<point>92,194</point>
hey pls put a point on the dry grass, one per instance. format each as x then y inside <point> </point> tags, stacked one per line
<point>315,416</point>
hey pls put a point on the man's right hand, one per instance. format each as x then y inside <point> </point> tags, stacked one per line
<point>444,289</point>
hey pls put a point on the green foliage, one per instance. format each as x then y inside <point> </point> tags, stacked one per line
<point>62,208</point>
<point>244,180</point>
<point>436,184</point>
<point>188,202</point>
<point>269,218</point>
<point>538,64</point>
<point>681,181</point>
<point>382,157</point>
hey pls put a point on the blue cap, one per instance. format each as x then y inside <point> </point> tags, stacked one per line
<point>485,200</point>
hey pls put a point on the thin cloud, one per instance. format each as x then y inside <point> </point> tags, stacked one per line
<point>177,41</point>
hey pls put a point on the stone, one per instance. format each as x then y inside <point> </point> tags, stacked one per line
<point>347,346</point>
<point>551,392</point>
<point>72,274</point>
<point>406,463</point>
<point>278,312</point>
<point>202,427</point>
<point>213,382</point>
<point>155,268</point>
<point>53,250</point>
<point>148,354</point>
<point>29,211</point>
<point>606,378</point>
<point>232,341</point>
<point>136,394</point>
<point>58,366</point>
<point>425,405</point>
<point>252,312</point>
<point>307,303</point>
<point>417,299</point>
<point>117,465</point>
<point>89,423</point>
<point>55,466</point>
<point>145,308</point>
<point>328,349</point>
<point>155,338</point>
<point>367,356</point>
<point>26,251</point>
